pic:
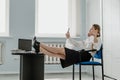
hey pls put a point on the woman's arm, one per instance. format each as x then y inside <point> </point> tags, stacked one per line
<point>98,44</point>
<point>74,42</point>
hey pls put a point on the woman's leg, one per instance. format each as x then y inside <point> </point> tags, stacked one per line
<point>51,54</point>
<point>54,50</point>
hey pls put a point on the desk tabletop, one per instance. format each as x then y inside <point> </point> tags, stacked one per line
<point>27,54</point>
<point>18,52</point>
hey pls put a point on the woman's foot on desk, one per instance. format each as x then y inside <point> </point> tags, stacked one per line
<point>36,45</point>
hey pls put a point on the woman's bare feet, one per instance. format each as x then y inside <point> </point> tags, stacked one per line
<point>36,45</point>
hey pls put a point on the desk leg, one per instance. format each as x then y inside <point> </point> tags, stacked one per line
<point>32,67</point>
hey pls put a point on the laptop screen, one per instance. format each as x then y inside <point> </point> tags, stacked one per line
<point>25,44</point>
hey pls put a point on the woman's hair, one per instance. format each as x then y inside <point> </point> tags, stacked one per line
<point>97,27</point>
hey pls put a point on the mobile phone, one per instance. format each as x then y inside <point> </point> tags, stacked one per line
<point>68,29</point>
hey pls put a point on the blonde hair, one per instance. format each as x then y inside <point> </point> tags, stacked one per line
<point>97,27</point>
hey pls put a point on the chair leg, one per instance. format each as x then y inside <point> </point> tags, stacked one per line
<point>93,72</point>
<point>102,73</point>
<point>79,71</point>
<point>73,72</point>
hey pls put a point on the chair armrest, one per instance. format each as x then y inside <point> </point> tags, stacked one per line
<point>91,50</point>
<point>88,50</point>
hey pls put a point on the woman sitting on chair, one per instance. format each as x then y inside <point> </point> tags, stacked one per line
<point>70,56</point>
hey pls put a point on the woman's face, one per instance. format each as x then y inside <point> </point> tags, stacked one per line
<point>93,32</point>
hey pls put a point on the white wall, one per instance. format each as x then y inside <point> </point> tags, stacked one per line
<point>93,13</point>
<point>111,30</point>
<point>22,25</point>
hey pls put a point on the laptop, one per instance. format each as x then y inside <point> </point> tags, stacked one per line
<point>25,44</point>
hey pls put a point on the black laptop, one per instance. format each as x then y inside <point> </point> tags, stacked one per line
<point>25,44</point>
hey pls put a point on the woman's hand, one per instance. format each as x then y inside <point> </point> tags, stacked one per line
<point>67,35</point>
<point>89,34</point>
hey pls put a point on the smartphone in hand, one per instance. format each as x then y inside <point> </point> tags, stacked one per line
<point>68,30</point>
<point>68,34</point>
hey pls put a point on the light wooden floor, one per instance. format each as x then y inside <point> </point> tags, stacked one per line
<point>51,76</point>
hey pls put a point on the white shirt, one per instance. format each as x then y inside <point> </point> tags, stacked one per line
<point>84,44</point>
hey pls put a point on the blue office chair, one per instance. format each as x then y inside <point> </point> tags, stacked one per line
<point>98,55</point>
<point>92,63</point>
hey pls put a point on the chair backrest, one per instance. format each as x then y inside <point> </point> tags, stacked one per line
<point>98,54</point>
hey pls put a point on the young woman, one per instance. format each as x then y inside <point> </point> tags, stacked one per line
<point>70,56</point>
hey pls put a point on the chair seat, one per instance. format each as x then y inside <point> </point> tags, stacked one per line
<point>89,63</point>
<point>96,60</point>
